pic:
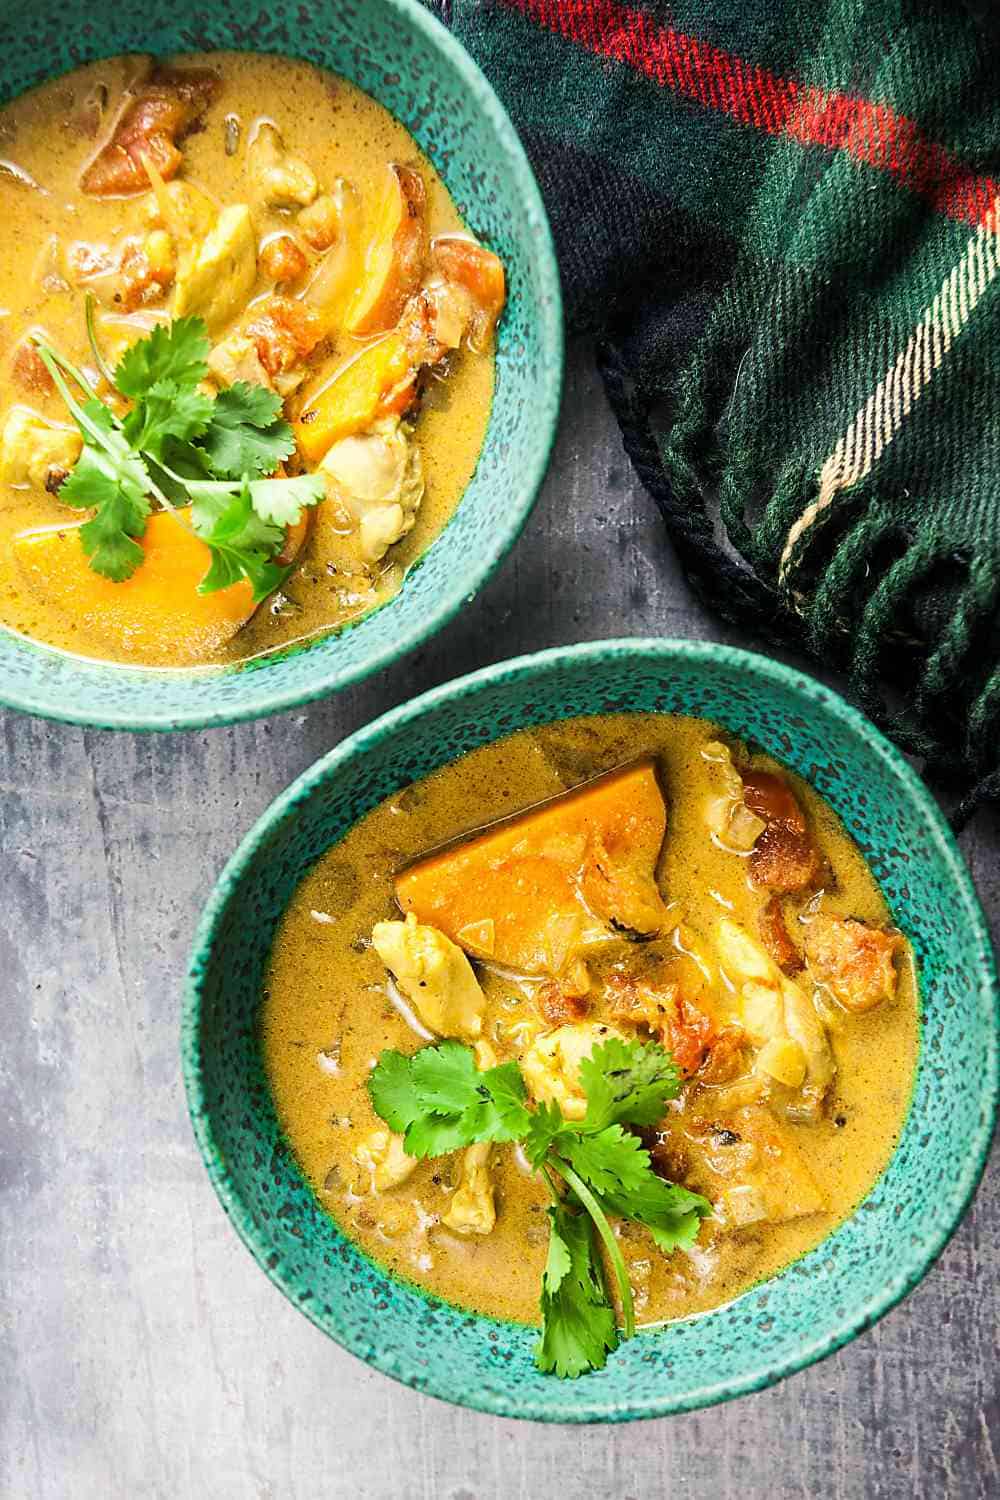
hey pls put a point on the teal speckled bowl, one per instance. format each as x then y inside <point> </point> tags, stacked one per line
<point>814,1306</point>
<point>406,60</point>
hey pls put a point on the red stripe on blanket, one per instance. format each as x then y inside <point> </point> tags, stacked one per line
<point>870,133</point>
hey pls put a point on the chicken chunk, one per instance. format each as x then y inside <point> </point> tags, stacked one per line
<point>472,1209</point>
<point>28,371</point>
<point>855,962</point>
<point>434,975</point>
<point>215,279</point>
<point>320,223</point>
<point>381,1154</point>
<point>36,452</point>
<point>180,208</point>
<point>377,479</point>
<point>159,111</point>
<point>551,1065</point>
<point>775,1008</point>
<point>726,814</point>
<point>282,260</point>
<point>480,274</point>
<point>281,179</point>
<point>236,358</point>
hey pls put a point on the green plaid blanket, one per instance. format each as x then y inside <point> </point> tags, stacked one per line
<point>779,219</point>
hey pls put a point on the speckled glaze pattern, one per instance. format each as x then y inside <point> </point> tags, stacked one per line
<point>817,1304</point>
<point>404,58</point>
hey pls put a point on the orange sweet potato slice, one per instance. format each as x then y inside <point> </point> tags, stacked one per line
<point>516,893</point>
<point>157,616</point>
<point>394,260</point>
<point>376,383</point>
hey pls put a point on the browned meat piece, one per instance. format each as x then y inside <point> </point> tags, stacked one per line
<point>774,936</point>
<point>282,260</point>
<point>29,372</point>
<point>558,1007</point>
<point>477,270</point>
<point>635,1004</point>
<point>158,112</point>
<point>146,271</point>
<point>855,962</point>
<point>684,1029</point>
<point>727,1057</point>
<point>784,857</point>
<point>688,1034</point>
<point>285,334</point>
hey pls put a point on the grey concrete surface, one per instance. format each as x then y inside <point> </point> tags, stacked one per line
<point>143,1356</point>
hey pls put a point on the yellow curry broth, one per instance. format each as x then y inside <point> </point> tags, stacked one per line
<point>326,1016</point>
<point>341,132</point>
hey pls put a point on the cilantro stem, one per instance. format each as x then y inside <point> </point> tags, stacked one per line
<point>547,1177</point>
<point>604,1229</point>
<point>54,363</point>
<point>95,350</point>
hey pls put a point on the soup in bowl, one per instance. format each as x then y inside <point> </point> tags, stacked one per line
<point>627,989</point>
<point>271,329</point>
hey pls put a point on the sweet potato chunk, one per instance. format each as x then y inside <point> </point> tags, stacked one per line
<point>526,875</point>
<point>464,263</point>
<point>762,1164</point>
<point>855,962</point>
<point>397,250</point>
<point>157,615</point>
<point>784,857</point>
<point>158,113</point>
<point>376,383</point>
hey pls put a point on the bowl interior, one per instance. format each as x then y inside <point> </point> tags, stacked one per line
<point>815,1305</point>
<point>406,60</point>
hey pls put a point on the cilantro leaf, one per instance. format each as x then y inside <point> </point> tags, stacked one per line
<point>393,1091</point>
<point>671,1213</point>
<point>578,1321</point>
<point>282,500</point>
<point>627,1083</point>
<point>545,1126</point>
<point>114,483</point>
<point>246,434</point>
<point>446,1077</point>
<point>242,545</point>
<point>508,1093</point>
<point>441,1102</point>
<point>176,352</point>
<point>436,1135</point>
<point>167,412</point>
<point>612,1160</point>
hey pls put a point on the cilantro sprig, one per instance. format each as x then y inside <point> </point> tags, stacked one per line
<point>178,446</point>
<point>595,1168</point>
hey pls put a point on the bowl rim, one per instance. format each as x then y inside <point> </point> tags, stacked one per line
<point>545,422</point>
<point>914,1264</point>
